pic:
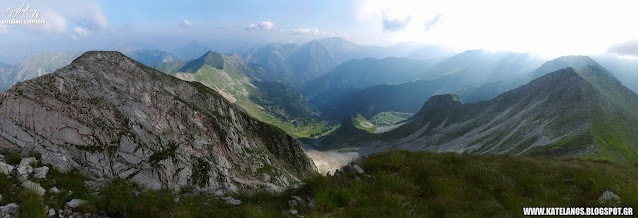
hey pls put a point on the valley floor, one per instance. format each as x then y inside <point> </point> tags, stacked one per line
<point>329,161</point>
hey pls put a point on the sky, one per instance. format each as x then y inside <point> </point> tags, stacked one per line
<point>547,28</point>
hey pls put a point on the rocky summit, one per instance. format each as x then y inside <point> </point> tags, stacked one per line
<point>109,116</point>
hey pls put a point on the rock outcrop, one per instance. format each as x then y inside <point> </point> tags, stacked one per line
<point>111,117</point>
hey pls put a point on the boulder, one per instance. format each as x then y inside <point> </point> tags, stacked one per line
<point>34,187</point>
<point>40,172</point>
<point>51,212</point>
<point>356,169</point>
<point>292,212</point>
<point>54,190</point>
<point>296,202</point>
<point>608,196</point>
<point>75,203</point>
<point>5,168</point>
<point>24,170</point>
<point>9,210</point>
<point>27,161</point>
<point>232,201</point>
<point>23,177</point>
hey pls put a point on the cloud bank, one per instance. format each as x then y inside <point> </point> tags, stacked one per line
<point>629,48</point>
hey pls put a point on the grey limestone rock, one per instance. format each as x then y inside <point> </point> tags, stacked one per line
<point>34,187</point>
<point>109,116</point>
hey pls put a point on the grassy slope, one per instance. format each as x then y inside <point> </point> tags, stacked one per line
<point>448,184</point>
<point>170,67</point>
<point>401,183</point>
<point>389,118</point>
<point>613,129</point>
<point>233,81</point>
<point>297,129</point>
<point>361,122</point>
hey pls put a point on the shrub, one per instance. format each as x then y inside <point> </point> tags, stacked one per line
<point>31,204</point>
<point>8,188</point>
<point>119,199</point>
<point>14,158</point>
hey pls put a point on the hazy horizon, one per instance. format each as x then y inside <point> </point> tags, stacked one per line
<point>546,28</point>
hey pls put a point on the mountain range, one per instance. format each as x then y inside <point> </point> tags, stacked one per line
<point>253,89</point>
<point>564,113</point>
<point>149,57</point>
<point>35,66</point>
<point>304,89</point>
<point>462,71</point>
<point>300,63</point>
<point>492,89</point>
<point>240,82</point>
<point>363,73</point>
<point>109,116</point>
<point>47,62</point>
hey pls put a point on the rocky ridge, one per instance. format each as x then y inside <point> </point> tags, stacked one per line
<point>564,113</point>
<point>111,117</point>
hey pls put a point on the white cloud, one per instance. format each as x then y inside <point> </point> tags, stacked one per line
<point>434,22</point>
<point>394,25</point>
<point>55,23</point>
<point>546,27</point>
<point>263,25</point>
<point>80,31</point>
<point>90,17</point>
<point>186,23</point>
<point>629,48</point>
<point>305,31</point>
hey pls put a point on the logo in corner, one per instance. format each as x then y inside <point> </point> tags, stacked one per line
<point>25,10</point>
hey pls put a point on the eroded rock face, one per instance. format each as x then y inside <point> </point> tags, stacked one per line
<point>112,117</point>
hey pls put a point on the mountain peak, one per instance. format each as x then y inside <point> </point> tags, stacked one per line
<point>442,101</point>
<point>111,62</point>
<point>577,62</point>
<point>333,43</point>
<point>110,107</point>
<point>581,58</point>
<point>101,56</point>
<point>210,58</point>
